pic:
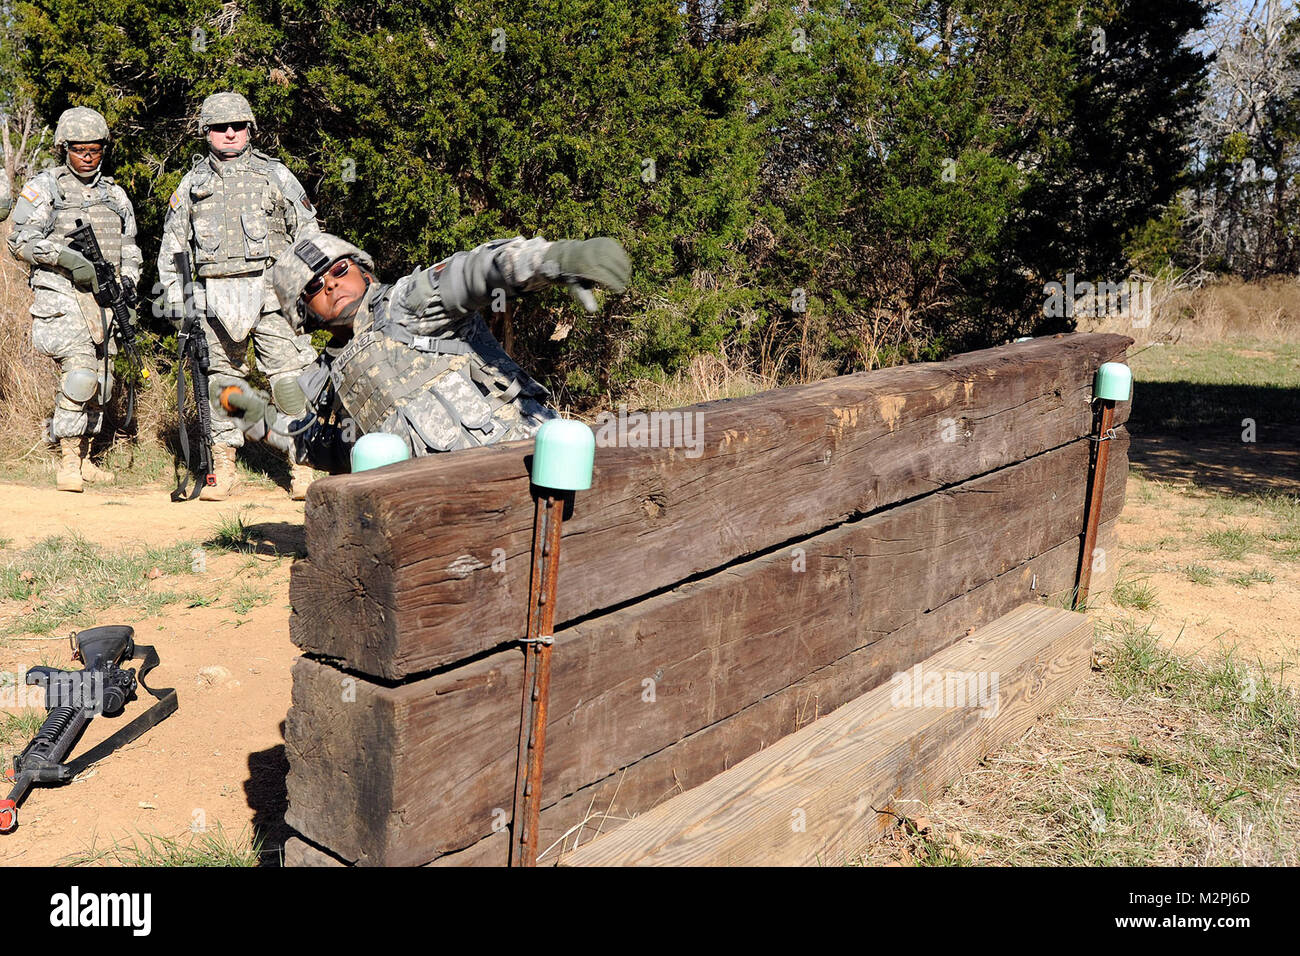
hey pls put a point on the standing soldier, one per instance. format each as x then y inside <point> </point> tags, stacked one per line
<point>67,324</point>
<point>235,211</point>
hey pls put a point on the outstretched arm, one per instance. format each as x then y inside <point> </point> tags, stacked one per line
<point>478,279</point>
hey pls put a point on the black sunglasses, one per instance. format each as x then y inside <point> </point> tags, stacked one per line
<point>222,127</point>
<point>338,271</point>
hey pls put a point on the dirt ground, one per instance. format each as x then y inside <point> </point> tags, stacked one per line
<point>219,761</point>
<point>1164,529</point>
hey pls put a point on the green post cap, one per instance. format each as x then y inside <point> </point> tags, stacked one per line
<point>563,456</point>
<point>1114,382</point>
<point>378,449</point>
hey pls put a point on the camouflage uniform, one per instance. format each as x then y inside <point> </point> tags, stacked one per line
<point>235,217</point>
<point>67,324</point>
<point>421,363</point>
<point>6,196</point>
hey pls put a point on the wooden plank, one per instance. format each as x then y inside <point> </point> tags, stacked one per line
<point>711,647</point>
<point>300,853</point>
<point>819,795</point>
<point>426,564</point>
<point>603,806</point>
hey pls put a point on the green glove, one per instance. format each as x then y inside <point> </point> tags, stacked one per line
<point>83,273</point>
<point>584,263</point>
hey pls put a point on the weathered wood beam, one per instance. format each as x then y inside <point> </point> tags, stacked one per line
<point>425,564</point>
<point>603,806</point>
<point>401,774</point>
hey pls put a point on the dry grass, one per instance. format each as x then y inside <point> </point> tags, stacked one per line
<point>1192,312</point>
<point>1158,761</point>
<point>709,377</point>
<point>27,381</point>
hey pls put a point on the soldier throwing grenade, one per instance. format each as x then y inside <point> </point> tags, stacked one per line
<point>67,324</point>
<point>236,210</point>
<point>415,358</point>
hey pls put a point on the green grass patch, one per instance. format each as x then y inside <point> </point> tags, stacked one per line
<point>246,596</point>
<point>139,463</point>
<point>67,579</point>
<point>1212,752</point>
<point>17,727</point>
<point>231,533</point>
<point>212,848</point>
<point>1141,488</point>
<point>1257,576</point>
<point>1289,552</point>
<point>1167,761</point>
<point>1135,595</point>
<point>1230,544</point>
<point>1199,574</point>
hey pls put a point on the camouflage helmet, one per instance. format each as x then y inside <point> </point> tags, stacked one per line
<point>80,125</point>
<point>226,108</point>
<point>305,260</point>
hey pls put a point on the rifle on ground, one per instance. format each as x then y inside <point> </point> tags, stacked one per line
<point>119,298</point>
<point>192,347</point>
<point>73,699</point>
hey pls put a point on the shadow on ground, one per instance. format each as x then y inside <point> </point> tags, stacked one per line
<point>1189,432</point>
<point>268,797</point>
<point>284,539</point>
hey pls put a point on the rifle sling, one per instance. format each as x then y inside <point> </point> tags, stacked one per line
<point>165,707</point>
<point>180,494</point>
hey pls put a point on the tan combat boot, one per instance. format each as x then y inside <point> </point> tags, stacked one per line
<point>69,474</point>
<point>223,469</point>
<point>89,470</point>
<point>301,477</point>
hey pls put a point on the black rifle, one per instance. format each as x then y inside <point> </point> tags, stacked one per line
<point>192,346</point>
<point>114,296</point>
<point>73,699</point>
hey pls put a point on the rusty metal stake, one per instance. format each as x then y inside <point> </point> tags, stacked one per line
<point>537,677</point>
<point>1096,489</point>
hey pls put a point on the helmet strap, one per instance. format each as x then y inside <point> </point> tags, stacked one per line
<point>226,155</point>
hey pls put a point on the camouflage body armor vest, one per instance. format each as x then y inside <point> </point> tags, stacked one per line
<point>438,393</point>
<point>95,204</point>
<point>238,216</point>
